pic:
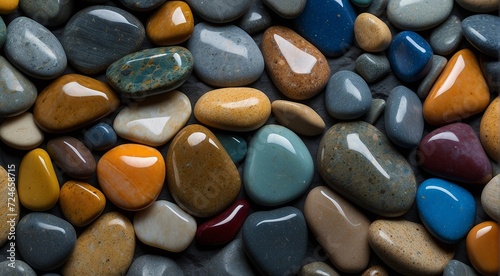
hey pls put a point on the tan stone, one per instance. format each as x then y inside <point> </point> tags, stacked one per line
<point>490,198</point>
<point>298,117</point>
<point>371,33</point>
<point>489,130</point>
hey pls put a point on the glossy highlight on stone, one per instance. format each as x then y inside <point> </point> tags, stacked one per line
<point>410,56</point>
<point>482,247</point>
<point>171,24</point>
<point>481,31</point>
<point>371,33</point>
<point>16,90</point>
<point>100,137</point>
<point>49,13</point>
<point>21,132</point>
<point>71,155</point>
<point>143,5</point>
<point>298,117</point>
<point>81,203</point>
<point>418,15</point>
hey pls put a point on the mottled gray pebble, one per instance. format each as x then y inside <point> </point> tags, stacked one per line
<point>447,36</point>
<point>418,15</point>
<point>230,261</point>
<point>377,7</point>
<point>491,71</point>
<point>18,268</point>
<point>154,265</point>
<point>438,64</point>
<point>256,19</point>
<point>3,32</point>
<point>376,109</point>
<point>219,11</point>
<point>457,268</point>
<point>143,5</point>
<point>318,269</point>
<point>372,67</point>
<point>17,93</point>
<point>286,9</point>
<point>49,13</point>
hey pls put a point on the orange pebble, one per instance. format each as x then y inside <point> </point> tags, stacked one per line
<point>171,24</point>
<point>81,202</point>
<point>482,247</point>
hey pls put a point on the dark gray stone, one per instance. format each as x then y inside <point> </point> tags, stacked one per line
<point>286,9</point>
<point>372,67</point>
<point>376,109</point>
<point>481,30</point>
<point>153,265</point>
<point>49,13</point>
<point>142,5</point>
<point>18,268</point>
<point>230,261</point>
<point>220,11</point>
<point>491,72</point>
<point>17,93</point>
<point>457,268</point>
<point>3,32</point>
<point>256,19</point>
<point>446,37</point>
<point>438,64</point>
<point>377,7</point>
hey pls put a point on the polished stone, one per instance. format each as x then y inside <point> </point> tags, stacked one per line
<point>256,19</point>
<point>278,167</point>
<point>154,265</point>
<point>482,247</point>
<point>34,50</point>
<point>371,33</point>
<point>233,109</point>
<point>297,68</point>
<point>44,240</point>
<point>220,11</point>
<point>49,13</point>
<point>490,201</point>
<point>164,225</point>
<point>80,202</point>
<point>358,161</point>
<point>21,132</point>
<point>100,137</point>
<point>377,7</point>
<point>73,101</point>
<point>155,120</point>
<point>372,67</point>
<point>418,15</point>
<point>425,86</point>
<point>20,269</point>
<point>170,24</point>
<point>17,91</point>
<point>201,177</point>
<point>457,268</point>
<point>143,5</point>
<point>491,71</point>
<point>231,261</point>
<point>481,31</point>
<point>376,109</point>
<point>298,117</point>
<point>376,270</point>
<point>410,56</point>
<point>286,9</point>
<point>8,6</point>
<point>479,6</point>
<point>131,175</point>
<point>318,268</point>
<point>83,43</point>
<point>488,130</point>
<point>72,156</point>
<point>8,194</point>
<point>151,71</point>
<point>234,145</point>
<point>446,37</point>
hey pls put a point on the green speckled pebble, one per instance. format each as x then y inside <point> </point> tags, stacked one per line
<point>358,161</point>
<point>151,71</point>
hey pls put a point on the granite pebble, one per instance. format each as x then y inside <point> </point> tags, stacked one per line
<point>149,264</point>
<point>100,137</point>
<point>49,13</point>
<point>16,91</point>
<point>481,31</point>
<point>72,156</point>
<point>446,37</point>
<point>286,9</point>
<point>256,19</point>
<point>21,132</point>
<point>372,67</point>
<point>418,15</point>
<point>425,86</point>
<point>231,261</point>
<point>490,200</point>
<point>220,11</point>
<point>410,56</point>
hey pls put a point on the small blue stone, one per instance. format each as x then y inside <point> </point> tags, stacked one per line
<point>235,146</point>
<point>482,31</point>
<point>100,137</point>
<point>410,56</point>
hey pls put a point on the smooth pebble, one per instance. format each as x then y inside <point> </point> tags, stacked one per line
<point>372,67</point>
<point>318,268</point>
<point>80,202</point>
<point>256,19</point>
<point>410,56</point>
<point>16,90</point>
<point>8,6</point>
<point>21,132</point>
<point>457,268</point>
<point>100,137</point>
<point>298,117</point>
<point>143,5</point>
<point>377,7</point>
<point>20,269</point>
<point>481,31</point>
<point>170,24</point>
<point>418,15</point>
<point>371,33</point>
<point>376,109</point>
<point>220,11</point>
<point>234,145</point>
<point>72,156</point>
<point>289,9</point>
<point>231,261</point>
<point>491,69</point>
<point>482,247</point>
<point>490,201</point>
<point>49,13</point>
<point>149,264</point>
<point>479,6</point>
<point>425,86</point>
<point>488,130</point>
<point>446,37</point>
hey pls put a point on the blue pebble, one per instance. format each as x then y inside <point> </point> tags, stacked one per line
<point>347,96</point>
<point>235,145</point>
<point>410,56</point>
<point>491,71</point>
<point>100,137</point>
<point>328,25</point>
<point>446,209</point>
<point>482,31</point>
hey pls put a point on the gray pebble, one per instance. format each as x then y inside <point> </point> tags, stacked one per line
<point>481,30</point>
<point>286,9</point>
<point>153,265</point>
<point>49,13</point>
<point>143,5</point>
<point>231,260</point>
<point>17,93</point>
<point>418,15</point>
<point>3,32</point>
<point>438,64</point>
<point>219,11</point>
<point>491,71</point>
<point>457,268</point>
<point>377,7</point>
<point>256,19</point>
<point>447,36</point>
<point>372,67</point>
<point>18,268</point>
<point>376,109</point>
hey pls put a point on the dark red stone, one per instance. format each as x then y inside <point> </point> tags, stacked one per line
<point>224,227</point>
<point>455,152</point>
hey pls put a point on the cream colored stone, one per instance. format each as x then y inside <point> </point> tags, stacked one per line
<point>9,202</point>
<point>490,198</point>
<point>317,269</point>
<point>21,132</point>
<point>298,117</point>
<point>371,33</point>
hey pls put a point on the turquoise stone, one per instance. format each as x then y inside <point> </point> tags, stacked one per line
<point>151,71</point>
<point>235,145</point>
<point>278,167</point>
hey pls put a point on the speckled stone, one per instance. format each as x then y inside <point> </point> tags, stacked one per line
<point>171,24</point>
<point>44,240</point>
<point>230,261</point>
<point>72,156</point>
<point>377,7</point>
<point>372,67</point>
<point>457,268</point>
<point>358,161</point>
<point>481,31</point>
<point>154,265</point>
<point>371,33</point>
<point>34,49</point>
<point>490,200</point>
<point>491,71</point>
<point>286,9</point>
<point>8,194</point>
<point>81,203</point>
<point>151,71</point>
<point>376,109</point>
<point>446,37</point>
<point>143,5</point>
<point>220,11</point>
<point>21,132</point>
<point>479,6</point>
<point>19,268</point>
<point>488,130</point>
<point>298,69</point>
<point>318,268</point>
<point>17,93</point>
<point>298,117</point>
<point>100,137</point>
<point>418,15</point>
<point>256,19</point>
<point>347,96</point>
<point>225,55</point>
<point>51,13</point>
<point>3,32</point>
<point>438,64</point>
<point>83,43</point>
<point>105,247</point>
<point>235,145</point>
<point>408,248</point>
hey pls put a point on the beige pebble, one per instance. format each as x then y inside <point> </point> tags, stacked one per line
<point>9,203</point>
<point>490,198</point>
<point>371,33</point>
<point>376,270</point>
<point>21,132</point>
<point>298,117</point>
<point>489,130</point>
<point>318,269</point>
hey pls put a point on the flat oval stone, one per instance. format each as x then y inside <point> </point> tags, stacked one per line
<point>202,178</point>
<point>438,64</point>
<point>220,11</point>
<point>131,175</point>
<point>143,5</point>
<point>457,268</point>
<point>328,25</point>
<point>100,137</point>
<point>21,132</point>
<point>3,32</point>
<point>234,145</point>
<point>479,6</point>
<point>298,117</point>
<point>72,156</point>
<point>446,209</point>
<point>231,261</point>
<point>170,24</point>
<point>480,31</point>
<point>233,109</point>
<point>154,265</point>
<point>276,240</point>
<point>83,41</point>
<point>418,15</point>
<point>164,225</point>
<point>318,268</point>
<point>81,203</point>
<point>225,55</point>
<point>376,109</point>
<point>288,9</point>
<point>459,92</point>
<point>410,56</point>
<point>347,96</point>
<point>44,240</point>
<point>490,200</point>
<point>371,33</point>
<point>404,122</point>
<point>256,19</point>
<point>51,13</point>
<point>151,71</point>
<point>341,230</point>
<point>8,191</point>
<point>8,6</point>
<point>372,67</point>
<point>105,247</point>
<point>488,130</point>
<point>278,167</point>
<point>438,151</point>
<point>446,37</point>
<point>37,185</point>
<point>224,227</point>
<point>297,68</point>
<point>482,247</point>
<point>155,120</point>
<point>20,268</point>
<point>408,248</point>
<point>73,101</point>
<point>17,93</point>
<point>358,161</point>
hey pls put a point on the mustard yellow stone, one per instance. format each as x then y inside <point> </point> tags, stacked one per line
<point>233,109</point>
<point>489,130</point>
<point>9,202</point>
<point>8,6</point>
<point>80,202</point>
<point>38,186</point>
<point>371,33</point>
<point>171,24</point>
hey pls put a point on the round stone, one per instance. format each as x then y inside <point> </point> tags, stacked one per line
<point>481,31</point>
<point>371,33</point>
<point>81,203</point>
<point>100,137</point>
<point>154,265</point>
<point>71,155</point>
<point>446,37</point>
<point>298,117</point>
<point>488,130</point>
<point>49,13</point>
<point>21,132</point>
<point>482,247</point>
<point>490,200</point>
<point>170,24</point>
<point>418,15</point>
<point>16,91</point>
<point>8,194</point>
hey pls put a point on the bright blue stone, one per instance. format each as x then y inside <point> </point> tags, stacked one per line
<point>328,25</point>
<point>410,56</point>
<point>235,145</point>
<point>278,167</point>
<point>482,31</point>
<point>100,137</point>
<point>446,209</point>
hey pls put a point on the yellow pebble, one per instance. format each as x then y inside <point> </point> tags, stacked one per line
<point>81,202</point>
<point>8,6</point>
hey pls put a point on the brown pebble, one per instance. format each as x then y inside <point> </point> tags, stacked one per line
<point>298,117</point>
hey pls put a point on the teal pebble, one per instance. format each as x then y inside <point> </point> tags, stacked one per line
<point>3,32</point>
<point>235,145</point>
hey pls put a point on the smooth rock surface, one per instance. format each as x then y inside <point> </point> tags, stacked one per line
<point>482,247</point>
<point>446,37</point>
<point>278,167</point>
<point>17,93</point>
<point>8,194</point>
<point>372,67</point>
<point>72,156</point>
<point>155,120</point>
<point>358,161</point>
<point>418,15</point>
<point>298,69</point>
<point>154,265</point>
<point>3,32</point>
<point>410,56</point>
<point>491,71</point>
<point>286,9</point>
<point>20,269</point>
<point>490,201</point>
<point>376,270</point>
<point>425,86</point>
<point>457,268</point>
<point>171,24</point>
<point>105,247</point>
<point>234,145</point>
<point>143,5</point>
<point>479,6</point>
<point>164,225</point>
<point>83,43</point>
<point>371,33</point>
<point>21,132</point>
<point>100,137</point>
<point>488,130</point>
<point>317,268</point>
<point>481,31</point>
<point>51,13</point>
<point>201,176</point>
<point>376,109</point>
<point>131,175</point>
<point>377,7</point>
<point>298,117</point>
<point>220,11</point>
<point>256,19</point>
<point>80,202</point>
<point>231,261</point>
<point>408,248</point>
